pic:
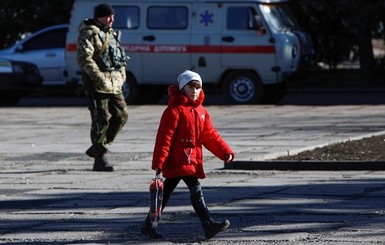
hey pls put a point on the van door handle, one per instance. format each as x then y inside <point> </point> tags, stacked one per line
<point>149,38</point>
<point>229,39</point>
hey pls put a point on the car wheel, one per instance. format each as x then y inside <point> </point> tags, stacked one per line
<point>243,87</point>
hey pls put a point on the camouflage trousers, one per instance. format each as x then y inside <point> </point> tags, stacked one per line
<point>109,113</point>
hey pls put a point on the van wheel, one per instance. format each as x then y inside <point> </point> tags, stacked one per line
<point>243,87</point>
<point>130,90</point>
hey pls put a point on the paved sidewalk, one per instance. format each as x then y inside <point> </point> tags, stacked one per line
<point>49,195</point>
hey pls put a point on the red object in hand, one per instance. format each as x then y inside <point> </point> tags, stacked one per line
<point>156,197</point>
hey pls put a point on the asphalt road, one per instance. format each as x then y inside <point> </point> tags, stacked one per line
<point>49,195</point>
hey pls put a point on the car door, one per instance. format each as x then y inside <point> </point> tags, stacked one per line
<point>46,50</point>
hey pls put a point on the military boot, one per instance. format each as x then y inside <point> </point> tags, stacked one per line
<point>101,164</point>
<point>210,226</point>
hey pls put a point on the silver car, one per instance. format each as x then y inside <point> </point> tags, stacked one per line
<point>45,48</point>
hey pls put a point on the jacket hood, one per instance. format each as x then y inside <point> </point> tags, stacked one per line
<point>92,24</point>
<point>178,98</point>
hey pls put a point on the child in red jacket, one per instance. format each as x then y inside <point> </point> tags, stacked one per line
<point>184,128</point>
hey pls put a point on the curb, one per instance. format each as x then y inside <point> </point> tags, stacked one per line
<point>312,165</point>
<point>307,165</point>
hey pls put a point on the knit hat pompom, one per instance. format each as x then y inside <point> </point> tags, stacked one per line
<point>103,10</point>
<point>188,76</point>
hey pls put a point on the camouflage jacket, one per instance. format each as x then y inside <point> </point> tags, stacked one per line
<point>103,76</point>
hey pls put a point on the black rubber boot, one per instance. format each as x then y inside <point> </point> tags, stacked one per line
<point>210,226</point>
<point>213,227</point>
<point>101,164</point>
<point>150,230</point>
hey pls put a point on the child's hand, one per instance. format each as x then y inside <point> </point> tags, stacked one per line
<point>158,172</point>
<point>229,158</point>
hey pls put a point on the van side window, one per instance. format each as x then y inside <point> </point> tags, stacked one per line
<point>241,18</point>
<point>126,17</point>
<point>164,17</point>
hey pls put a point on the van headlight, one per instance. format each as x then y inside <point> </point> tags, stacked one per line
<point>294,51</point>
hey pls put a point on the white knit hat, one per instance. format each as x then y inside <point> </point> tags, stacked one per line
<point>188,76</point>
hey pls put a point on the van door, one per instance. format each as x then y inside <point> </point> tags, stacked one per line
<point>246,44</point>
<point>206,41</point>
<point>168,39</point>
<point>127,22</point>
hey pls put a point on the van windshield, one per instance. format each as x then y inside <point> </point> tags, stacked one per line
<point>279,17</point>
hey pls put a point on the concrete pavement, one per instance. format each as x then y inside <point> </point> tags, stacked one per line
<point>49,195</point>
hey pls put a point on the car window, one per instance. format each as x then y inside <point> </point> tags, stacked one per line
<point>126,17</point>
<point>167,17</point>
<point>241,18</point>
<point>47,40</point>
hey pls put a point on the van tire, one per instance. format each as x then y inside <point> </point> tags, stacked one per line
<point>243,87</point>
<point>130,90</point>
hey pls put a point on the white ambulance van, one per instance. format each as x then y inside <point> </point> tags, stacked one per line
<point>248,49</point>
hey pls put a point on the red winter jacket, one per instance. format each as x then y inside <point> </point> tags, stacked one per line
<point>184,127</point>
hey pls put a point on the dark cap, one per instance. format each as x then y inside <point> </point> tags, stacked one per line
<point>102,10</point>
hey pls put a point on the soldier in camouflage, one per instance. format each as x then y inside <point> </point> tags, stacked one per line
<point>102,62</point>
